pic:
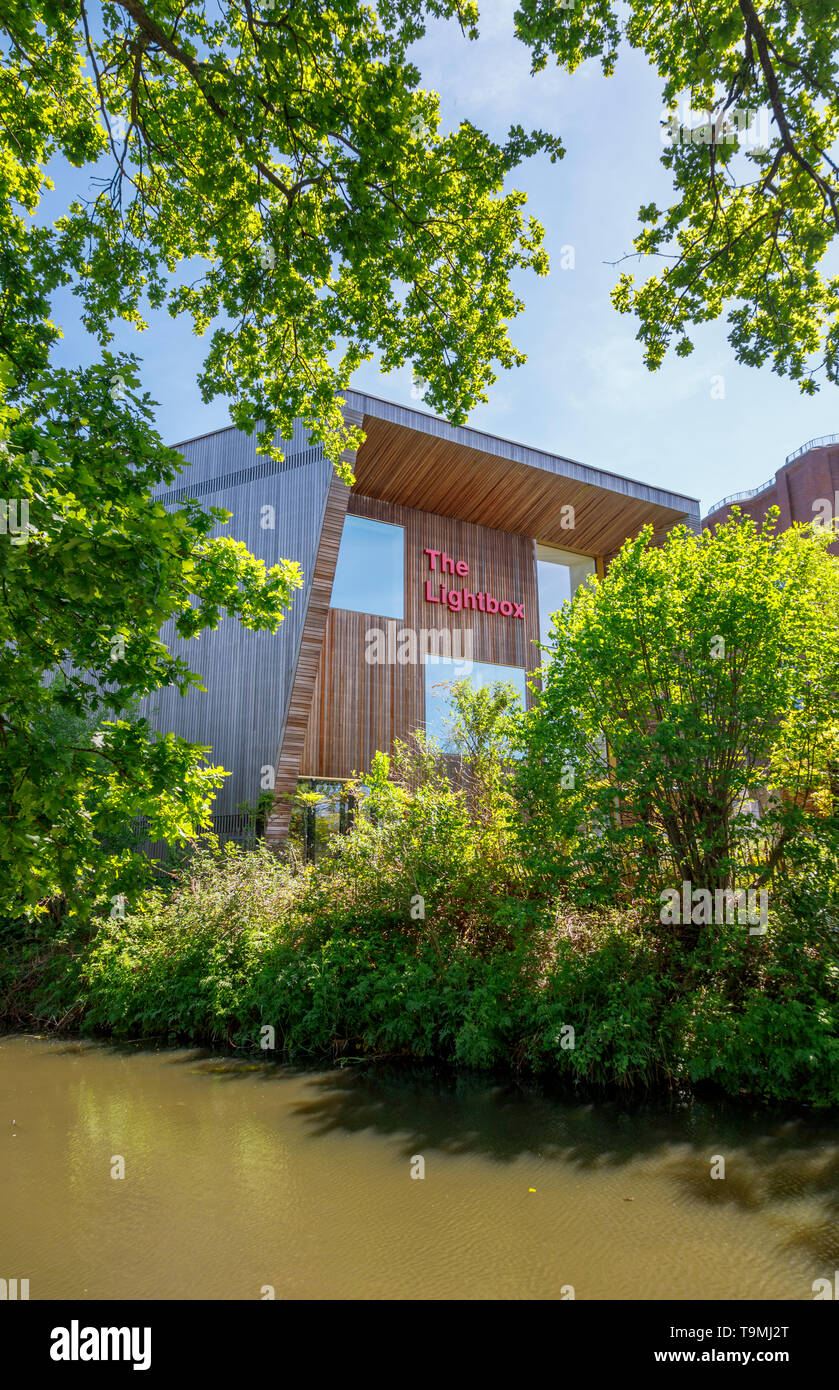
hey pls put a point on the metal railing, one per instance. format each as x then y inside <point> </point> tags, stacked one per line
<point>824,441</point>
<point>227,827</point>
<point>813,444</point>
<point>741,496</point>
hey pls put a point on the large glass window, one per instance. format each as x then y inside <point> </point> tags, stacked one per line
<point>441,672</point>
<point>370,573</point>
<point>560,573</point>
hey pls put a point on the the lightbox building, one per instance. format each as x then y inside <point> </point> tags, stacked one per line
<point>452,544</point>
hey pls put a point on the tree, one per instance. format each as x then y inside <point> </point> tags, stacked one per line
<point>697,677</point>
<point>483,731</point>
<point>90,569</point>
<point>754,167</point>
<point>288,151</point>
<point>436,827</point>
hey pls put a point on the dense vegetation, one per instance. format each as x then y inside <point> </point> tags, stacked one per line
<point>699,681</point>
<point>277,175</point>
<point>458,920</point>
<point>330,956</point>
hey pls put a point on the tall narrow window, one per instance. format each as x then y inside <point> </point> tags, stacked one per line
<point>370,573</point>
<point>560,573</point>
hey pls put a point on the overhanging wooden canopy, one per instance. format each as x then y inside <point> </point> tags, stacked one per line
<point>418,460</point>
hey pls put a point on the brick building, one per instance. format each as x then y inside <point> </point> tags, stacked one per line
<point>804,488</point>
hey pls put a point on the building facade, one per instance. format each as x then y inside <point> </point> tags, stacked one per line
<point>444,559</point>
<point>804,489</point>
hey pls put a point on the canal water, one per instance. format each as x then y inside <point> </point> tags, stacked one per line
<point>242,1178</point>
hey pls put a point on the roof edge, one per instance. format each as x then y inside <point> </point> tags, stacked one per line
<point>468,437</point>
<point>464,435</point>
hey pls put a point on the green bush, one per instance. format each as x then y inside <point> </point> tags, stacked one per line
<point>339,959</point>
<point>247,943</point>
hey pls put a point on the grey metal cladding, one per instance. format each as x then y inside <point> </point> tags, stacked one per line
<point>248,675</point>
<point>225,450</point>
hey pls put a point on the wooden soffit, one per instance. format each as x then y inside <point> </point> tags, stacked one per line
<point>420,461</point>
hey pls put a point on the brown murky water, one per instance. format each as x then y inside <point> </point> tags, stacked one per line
<point>239,1176</point>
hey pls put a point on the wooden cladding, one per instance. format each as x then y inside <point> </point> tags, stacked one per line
<point>360,707</point>
<point>404,466</point>
<point>311,643</point>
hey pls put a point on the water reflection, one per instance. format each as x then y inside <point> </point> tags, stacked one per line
<point>241,1173</point>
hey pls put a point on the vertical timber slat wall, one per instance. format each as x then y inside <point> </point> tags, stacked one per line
<point>248,674</point>
<point>309,659</point>
<point>358,707</point>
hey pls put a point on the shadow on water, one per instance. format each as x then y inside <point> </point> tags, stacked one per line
<point>773,1160</point>
<point>783,1161</point>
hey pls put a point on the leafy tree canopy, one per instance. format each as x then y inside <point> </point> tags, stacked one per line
<point>90,570</point>
<point>750,226</point>
<point>274,172</point>
<point>699,677</point>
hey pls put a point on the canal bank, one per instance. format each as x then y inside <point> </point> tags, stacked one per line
<point>297,964</point>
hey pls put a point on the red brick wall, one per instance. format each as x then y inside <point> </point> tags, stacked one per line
<point>797,487</point>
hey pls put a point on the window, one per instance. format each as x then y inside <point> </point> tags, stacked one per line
<point>442,671</point>
<point>560,573</point>
<point>370,573</point>
<point>321,810</point>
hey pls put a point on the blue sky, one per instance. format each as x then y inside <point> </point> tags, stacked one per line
<point>583,391</point>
